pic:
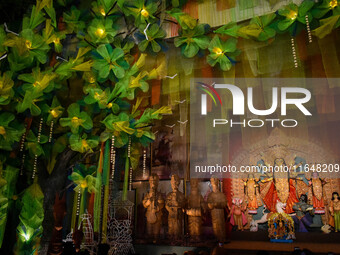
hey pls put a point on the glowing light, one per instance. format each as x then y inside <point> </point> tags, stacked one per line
<point>28,44</point>
<point>35,84</point>
<point>96,96</point>
<point>109,105</point>
<point>102,12</point>
<point>56,40</point>
<point>217,51</point>
<point>100,32</point>
<point>2,130</point>
<point>92,80</point>
<point>144,13</point>
<point>75,120</point>
<point>26,236</point>
<point>83,184</point>
<point>54,113</point>
<point>292,15</point>
<point>333,3</point>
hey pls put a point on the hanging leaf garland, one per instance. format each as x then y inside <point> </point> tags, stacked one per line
<point>223,53</point>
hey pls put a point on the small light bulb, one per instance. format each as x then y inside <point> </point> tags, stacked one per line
<point>100,32</point>
<point>217,51</point>
<point>144,13</point>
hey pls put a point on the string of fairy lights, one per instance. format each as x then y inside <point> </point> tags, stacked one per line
<point>36,156</point>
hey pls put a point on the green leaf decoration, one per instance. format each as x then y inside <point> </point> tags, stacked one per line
<point>184,19</point>
<point>136,152</point>
<point>29,45</point>
<point>31,218</point>
<point>229,29</point>
<point>55,111</point>
<point>325,7</point>
<point>141,10</point>
<point>9,134</point>
<point>223,53</point>
<point>76,119</point>
<point>259,28</point>
<point>102,31</point>
<point>59,146</point>
<point>3,205</point>
<point>2,40</point>
<point>154,33</point>
<point>30,102</point>
<point>34,147</point>
<point>119,126</point>
<point>326,26</point>
<point>52,37</point>
<point>37,17</point>
<point>96,95</point>
<point>152,114</point>
<point>132,80</point>
<point>66,69</point>
<point>192,40</point>
<point>6,91</point>
<point>83,178</point>
<point>111,63</point>
<point>8,178</point>
<point>73,22</point>
<point>37,82</point>
<point>104,7</point>
<point>293,13</point>
<point>81,144</point>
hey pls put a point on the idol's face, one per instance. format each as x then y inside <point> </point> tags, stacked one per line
<point>279,161</point>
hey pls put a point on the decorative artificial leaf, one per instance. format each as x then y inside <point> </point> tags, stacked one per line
<point>76,119</point>
<point>192,40</point>
<point>223,53</point>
